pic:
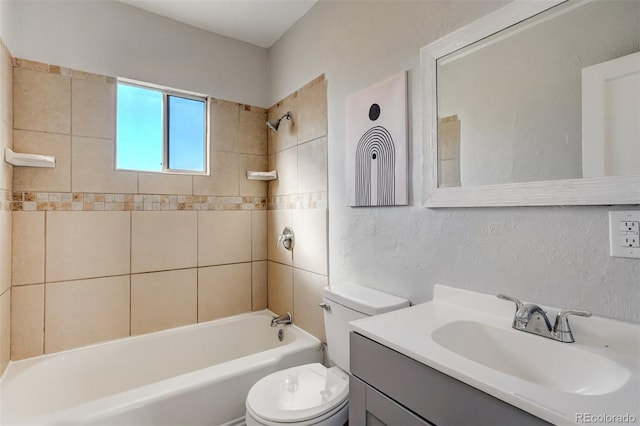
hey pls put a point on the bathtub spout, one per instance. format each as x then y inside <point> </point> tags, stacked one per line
<point>282,319</point>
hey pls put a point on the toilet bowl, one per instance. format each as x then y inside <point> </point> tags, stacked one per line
<point>313,394</point>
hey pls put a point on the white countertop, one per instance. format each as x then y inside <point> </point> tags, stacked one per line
<point>409,331</point>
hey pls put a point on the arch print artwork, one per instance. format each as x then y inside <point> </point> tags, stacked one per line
<point>376,120</point>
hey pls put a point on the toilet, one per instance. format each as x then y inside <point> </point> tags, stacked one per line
<point>313,394</point>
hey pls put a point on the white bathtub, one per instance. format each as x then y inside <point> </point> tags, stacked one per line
<point>193,375</point>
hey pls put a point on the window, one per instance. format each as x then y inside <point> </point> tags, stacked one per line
<point>160,130</point>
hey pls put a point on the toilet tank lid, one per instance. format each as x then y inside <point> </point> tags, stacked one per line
<point>363,299</point>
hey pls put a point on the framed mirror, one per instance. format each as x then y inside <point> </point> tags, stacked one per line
<point>537,103</point>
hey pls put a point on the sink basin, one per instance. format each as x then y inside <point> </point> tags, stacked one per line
<point>532,358</point>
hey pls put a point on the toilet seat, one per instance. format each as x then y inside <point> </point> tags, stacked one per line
<point>305,394</point>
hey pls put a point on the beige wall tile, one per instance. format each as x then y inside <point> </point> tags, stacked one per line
<point>162,300</point>
<point>259,235</point>
<point>310,227</point>
<point>41,101</point>
<point>5,329</point>
<point>28,248</point>
<point>79,313</point>
<point>6,118</point>
<point>157,183</point>
<point>27,321</point>
<point>312,166</point>
<point>287,135</point>
<point>93,109</point>
<point>163,240</point>
<point>224,291</point>
<point>6,170</point>
<point>312,121</point>
<point>287,167</point>
<point>5,250</point>
<point>280,288</point>
<point>6,90</point>
<point>307,295</point>
<point>93,168</point>
<point>86,244</point>
<point>223,122</point>
<point>272,184</point>
<point>252,131</point>
<point>224,237</point>
<point>57,179</point>
<point>252,188</point>
<point>277,220</point>
<point>224,176</point>
<point>258,286</point>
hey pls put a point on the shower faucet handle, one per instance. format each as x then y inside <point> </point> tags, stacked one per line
<point>286,238</point>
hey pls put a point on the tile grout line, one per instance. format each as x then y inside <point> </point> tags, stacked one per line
<point>44,288</point>
<point>197,267</point>
<point>130,270</point>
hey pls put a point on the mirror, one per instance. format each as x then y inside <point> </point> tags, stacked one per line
<point>520,118</point>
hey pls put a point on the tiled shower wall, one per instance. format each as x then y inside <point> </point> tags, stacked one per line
<point>299,199</point>
<point>100,254</point>
<point>6,176</point>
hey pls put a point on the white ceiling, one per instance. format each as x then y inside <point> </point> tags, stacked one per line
<point>259,22</point>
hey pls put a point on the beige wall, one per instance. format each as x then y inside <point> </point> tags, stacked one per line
<point>298,199</point>
<point>6,177</point>
<point>100,254</point>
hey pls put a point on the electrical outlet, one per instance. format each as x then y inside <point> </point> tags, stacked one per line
<point>624,234</point>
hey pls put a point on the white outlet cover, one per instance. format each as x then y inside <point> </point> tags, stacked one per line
<point>618,235</point>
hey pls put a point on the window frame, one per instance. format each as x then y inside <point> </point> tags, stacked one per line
<point>166,93</point>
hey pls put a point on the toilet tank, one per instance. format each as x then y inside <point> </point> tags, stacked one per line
<point>349,302</point>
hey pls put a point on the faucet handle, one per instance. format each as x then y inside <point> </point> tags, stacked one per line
<point>519,304</point>
<point>561,327</point>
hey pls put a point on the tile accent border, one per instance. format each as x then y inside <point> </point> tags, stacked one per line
<point>313,200</point>
<point>76,201</point>
<point>5,200</point>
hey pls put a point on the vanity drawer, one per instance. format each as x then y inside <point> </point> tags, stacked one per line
<point>431,394</point>
<point>368,407</point>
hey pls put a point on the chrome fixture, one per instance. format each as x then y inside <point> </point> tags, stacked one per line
<point>533,319</point>
<point>274,124</point>
<point>325,306</point>
<point>287,239</point>
<point>282,319</point>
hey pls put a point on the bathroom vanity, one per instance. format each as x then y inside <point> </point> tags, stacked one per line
<point>457,360</point>
<point>428,393</point>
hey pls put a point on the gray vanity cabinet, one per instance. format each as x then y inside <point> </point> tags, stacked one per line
<point>389,388</point>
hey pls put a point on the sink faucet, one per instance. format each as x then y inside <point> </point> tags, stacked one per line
<point>533,319</point>
<point>282,319</point>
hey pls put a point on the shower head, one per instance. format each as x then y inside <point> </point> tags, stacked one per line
<point>274,124</point>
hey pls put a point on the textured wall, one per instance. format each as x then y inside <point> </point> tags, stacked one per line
<point>556,255</point>
<point>112,38</point>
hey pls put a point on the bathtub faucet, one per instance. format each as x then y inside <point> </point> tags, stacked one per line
<point>282,319</point>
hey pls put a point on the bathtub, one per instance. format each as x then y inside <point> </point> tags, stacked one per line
<point>193,375</point>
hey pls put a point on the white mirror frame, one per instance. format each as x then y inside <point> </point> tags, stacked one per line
<point>584,191</point>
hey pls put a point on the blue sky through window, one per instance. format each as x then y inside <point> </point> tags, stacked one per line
<point>140,131</point>
<point>139,134</point>
<point>186,134</point>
